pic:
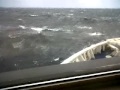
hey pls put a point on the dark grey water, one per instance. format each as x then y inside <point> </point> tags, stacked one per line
<point>40,37</point>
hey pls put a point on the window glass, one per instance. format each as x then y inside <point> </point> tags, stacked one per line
<point>35,33</point>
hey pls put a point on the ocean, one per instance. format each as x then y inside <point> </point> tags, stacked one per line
<point>36,37</point>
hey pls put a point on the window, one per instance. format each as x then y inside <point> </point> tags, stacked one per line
<point>38,33</point>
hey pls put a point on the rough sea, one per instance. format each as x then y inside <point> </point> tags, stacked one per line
<point>39,37</point>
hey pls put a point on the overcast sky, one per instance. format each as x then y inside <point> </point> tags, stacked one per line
<point>61,3</point>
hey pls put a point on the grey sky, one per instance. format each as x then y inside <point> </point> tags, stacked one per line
<point>61,3</point>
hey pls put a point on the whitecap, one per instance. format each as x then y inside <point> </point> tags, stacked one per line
<point>12,36</point>
<point>70,15</point>
<point>33,15</point>
<point>68,31</point>
<point>18,44</point>
<point>39,30</point>
<point>57,59</point>
<point>95,34</point>
<point>56,14</point>
<point>106,18</point>
<point>60,29</point>
<point>36,62</point>
<point>22,27</point>
<point>84,27</point>
<point>54,29</point>
<point>19,19</point>
<point>45,28</point>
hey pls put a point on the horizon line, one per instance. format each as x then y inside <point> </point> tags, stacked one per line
<point>60,7</point>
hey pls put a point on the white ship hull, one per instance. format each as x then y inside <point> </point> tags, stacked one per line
<point>89,53</point>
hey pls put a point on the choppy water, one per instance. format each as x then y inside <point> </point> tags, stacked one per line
<point>39,37</point>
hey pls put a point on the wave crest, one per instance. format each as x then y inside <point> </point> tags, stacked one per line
<point>95,34</point>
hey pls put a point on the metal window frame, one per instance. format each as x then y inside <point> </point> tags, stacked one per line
<point>41,76</point>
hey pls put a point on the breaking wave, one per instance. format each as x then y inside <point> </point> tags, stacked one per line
<point>70,15</point>
<point>84,27</point>
<point>95,34</point>
<point>45,28</point>
<point>22,27</point>
<point>18,44</point>
<point>39,30</point>
<point>33,15</point>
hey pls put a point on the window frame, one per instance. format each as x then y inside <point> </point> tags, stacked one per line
<point>58,73</point>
